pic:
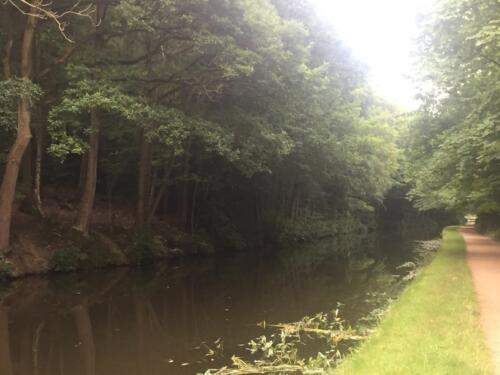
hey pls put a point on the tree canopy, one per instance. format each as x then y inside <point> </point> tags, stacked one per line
<point>455,137</point>
<point>230,118</point>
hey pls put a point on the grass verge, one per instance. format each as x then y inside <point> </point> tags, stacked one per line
<point>433,328</point>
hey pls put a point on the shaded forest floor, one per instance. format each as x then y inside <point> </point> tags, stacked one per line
<point>51,244</point>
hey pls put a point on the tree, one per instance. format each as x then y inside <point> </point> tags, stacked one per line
<point>33,11</point>
<point>222,117</point>
<point>455,137</point>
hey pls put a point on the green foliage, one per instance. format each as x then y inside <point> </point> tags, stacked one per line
<point>82,253</point>
<point>489,224</point>
<point>279,352</point>
<point>98,255</point>
<point>305,230</point>
<point>199,243</point>
<point>66,120</point>
<point>11,91</point>
<point>143,249</point>
<point>248,109</point>
<point>317,227</point>
<point>67,259</point>
<point>6,268</point>
<point>455,137</point>
<point>15,89</point>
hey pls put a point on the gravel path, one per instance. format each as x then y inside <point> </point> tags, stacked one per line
<point>483,257</point>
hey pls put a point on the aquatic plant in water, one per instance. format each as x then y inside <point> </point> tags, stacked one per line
<point>278,353</point>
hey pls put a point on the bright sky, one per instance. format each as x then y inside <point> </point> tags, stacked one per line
<point>380,33</point>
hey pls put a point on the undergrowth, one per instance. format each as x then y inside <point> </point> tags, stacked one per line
<point>6,268</point>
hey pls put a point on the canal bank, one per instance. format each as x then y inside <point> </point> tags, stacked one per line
<point>433,328</point>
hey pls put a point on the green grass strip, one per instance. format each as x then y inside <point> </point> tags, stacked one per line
<point>433,328</point>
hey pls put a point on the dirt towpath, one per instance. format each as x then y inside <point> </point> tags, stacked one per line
<point>483,257</point>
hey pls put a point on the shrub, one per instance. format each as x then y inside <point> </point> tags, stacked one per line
<point>68,259</point>
<point>6,268</point>
<point>98,257</point>
<point>142,250</point>
<point>316,227</point>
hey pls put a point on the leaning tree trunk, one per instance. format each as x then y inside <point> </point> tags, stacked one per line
<point>82,223</point>
<point>82,175</point>
<point>27,175</point>
<point>23,136</point>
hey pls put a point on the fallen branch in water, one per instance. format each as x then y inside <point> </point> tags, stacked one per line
<point>337,335</point>
<point>279,351</point>
<point>244,368</point>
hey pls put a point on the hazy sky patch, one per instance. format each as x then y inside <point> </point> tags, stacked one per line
<point>381,33</point>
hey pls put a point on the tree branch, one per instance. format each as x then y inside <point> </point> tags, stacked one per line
<point>44,11</point>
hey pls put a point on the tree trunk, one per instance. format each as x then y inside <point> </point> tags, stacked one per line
<point>34,195</point>
<point>193,208</point>
<point>6,20</point>
<point>31,174</point>
<point>110,185</point>
<point>6,59</point>
<point>83,174</point>
<point>37,187</point>
<point>27,175</point>
<point>9,182</point>
<point>144,181</point>
<point>184,205</point>
<point>82,223</point>
<point>23,136</point>
<point>184,197</point>
<point>161,190</point>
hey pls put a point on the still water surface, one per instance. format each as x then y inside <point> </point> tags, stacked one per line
<point>159,321</point>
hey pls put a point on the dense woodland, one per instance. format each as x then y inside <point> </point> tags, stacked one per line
<point>454,141</point>
<point>234,121</point>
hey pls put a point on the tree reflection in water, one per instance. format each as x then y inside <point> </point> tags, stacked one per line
<point>158,321</point>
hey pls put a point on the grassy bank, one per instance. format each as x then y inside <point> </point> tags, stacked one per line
<point>433,328</point>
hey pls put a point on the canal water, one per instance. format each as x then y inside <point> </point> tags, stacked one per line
<point>162,320</point>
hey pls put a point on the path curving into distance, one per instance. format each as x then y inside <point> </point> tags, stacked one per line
<point>483,258</point>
